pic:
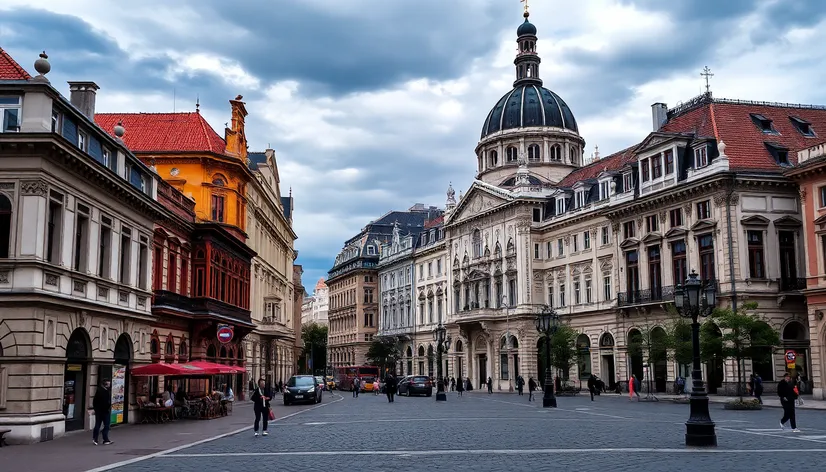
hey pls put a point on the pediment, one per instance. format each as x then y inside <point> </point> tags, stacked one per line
<point>676,233</point>
<point>703,225</point>
<point>755,220</point>
<point>652,238</point>
<point>478,200</point>
<point>655,139</point>
<point>476,275</point>
<point>788,222</point>
<point>630,243</point>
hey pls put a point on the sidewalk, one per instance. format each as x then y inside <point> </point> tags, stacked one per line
<point>75,452</point>
<point>768,401</point>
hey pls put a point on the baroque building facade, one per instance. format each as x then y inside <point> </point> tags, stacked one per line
<point>606,243</point>
<point>315,307</point>
<point>77,219</point>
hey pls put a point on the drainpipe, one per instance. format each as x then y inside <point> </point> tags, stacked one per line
<point>730,252</point>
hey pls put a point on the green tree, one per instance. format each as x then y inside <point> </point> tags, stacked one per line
<point>384,352</point>
<point>314,336</point>
<point>680,330</point>
<point>656,342</point>
<point>744,336</point>
<point>564,353</point>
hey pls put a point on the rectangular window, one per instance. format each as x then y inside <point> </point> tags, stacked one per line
<point>704,210</point>
<point>143,262</point>
<point>81,238</point>
<point>576,293</point>
<point>55,121</point>
<point>82,141</point>
<point>604,235</point>
<point>157,281</point>
<point>575,242</point>
<point>550,247</point>
<point>668,156</point>
<point>822,192</point>
<point>561,295</point>
<point>439,266</point>
<point>680,271</point>
<point>54,228</point>
<point>184,275</point>
<point>430,269</point>
<point>560,205</point>
<point>700,157</point>
<point>645,170</point>
<point>537,215</point>
<point>503,366</point>
<point>144,187</point>
<point>588,291</point>
<point>512,293</point>
<point>756,260</point>
<point>656,167</point>
<point>551,296</point>
<point>218,208</point>
<point>823,251</point>
<point>606,287</point>
<point>586,240</point>
<point>171,272</point>
<point>675,216</point>
<point>707,269</point>
<point>536,251</point>
<point>125,255</point>
<point>604,191</point>
<point>10,110</point>
<point>580,199</point>
<point>629,229</point>
<point>651,224</point>
<point>560,247</point>
<point>105,248</point>
<point>107,158</point>
<point>627,182</point>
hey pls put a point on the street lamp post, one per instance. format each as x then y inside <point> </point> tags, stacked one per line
<point>547,322</point>
<point>693,301</point>
<point>442,343</point>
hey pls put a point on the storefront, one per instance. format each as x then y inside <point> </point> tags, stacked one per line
<point>75,379</point>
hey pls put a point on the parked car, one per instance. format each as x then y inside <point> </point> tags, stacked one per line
<point>302,389</point>
<point>368,384</point>
<point>321,383</point>
<point>416,385</point>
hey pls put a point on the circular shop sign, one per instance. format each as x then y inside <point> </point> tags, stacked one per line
<point>225,334</point>
<point>790,356</point>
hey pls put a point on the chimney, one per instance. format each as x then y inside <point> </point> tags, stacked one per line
<point>83,97</point>
<point>659,115</point>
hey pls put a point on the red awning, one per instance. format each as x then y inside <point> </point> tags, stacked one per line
<point>151,370</point>
<point>213,368</point>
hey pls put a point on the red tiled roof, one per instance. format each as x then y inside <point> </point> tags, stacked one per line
<point>164,132</point>
<point>731,122</point>
<point>614,161</point>
<point>434,222</point>
<point>10,69</point>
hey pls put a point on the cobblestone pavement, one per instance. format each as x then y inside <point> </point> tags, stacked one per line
<point>503,432</point>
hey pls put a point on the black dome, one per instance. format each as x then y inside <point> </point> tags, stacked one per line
<point>526,28</point>
<point>529,105</point>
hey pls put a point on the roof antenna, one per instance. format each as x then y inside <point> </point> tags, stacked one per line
<point>198,103</point>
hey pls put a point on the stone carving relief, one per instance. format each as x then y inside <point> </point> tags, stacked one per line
<point>33,187</point>
<point>4,277</point>
<point>719,199</point>
<point>687,208</point>
<point>6,185</point>
<point>662,216</point>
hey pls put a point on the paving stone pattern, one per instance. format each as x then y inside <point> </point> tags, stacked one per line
<point>498,433</point>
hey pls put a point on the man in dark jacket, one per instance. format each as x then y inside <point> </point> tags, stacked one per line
<point>102,405</point>
<point>390,387</point>
<point>785,390</point>
<point>261,397</point>
<point>592,385</point>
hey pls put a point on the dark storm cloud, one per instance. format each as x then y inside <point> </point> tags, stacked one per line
<point>370,45</point>
<point>78,52</point>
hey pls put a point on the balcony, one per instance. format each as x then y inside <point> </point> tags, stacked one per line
<point>642,297</point>
<point>201,307</point>
<point>792,284</point>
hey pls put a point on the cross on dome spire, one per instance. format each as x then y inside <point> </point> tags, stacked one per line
<point>527,61</point>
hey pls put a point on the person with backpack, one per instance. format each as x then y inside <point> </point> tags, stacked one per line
<point>356,387</point>
<point>785,390</point>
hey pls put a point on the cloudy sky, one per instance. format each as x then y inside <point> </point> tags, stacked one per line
<point>374,105</point>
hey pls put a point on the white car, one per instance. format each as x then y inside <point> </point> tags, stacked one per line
<point>321,382</point>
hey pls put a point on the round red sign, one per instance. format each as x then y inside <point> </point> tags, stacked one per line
<point>791,356</point>
<point>225,334</point>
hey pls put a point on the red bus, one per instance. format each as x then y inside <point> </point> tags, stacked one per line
<point>344,375</point>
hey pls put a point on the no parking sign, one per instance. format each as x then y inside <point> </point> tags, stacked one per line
<point>791,356</point>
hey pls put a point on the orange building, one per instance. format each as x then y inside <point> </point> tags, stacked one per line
<point>810,174</point>
<point>193,158</point>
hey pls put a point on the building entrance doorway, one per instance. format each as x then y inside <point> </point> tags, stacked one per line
<point>75,375</point>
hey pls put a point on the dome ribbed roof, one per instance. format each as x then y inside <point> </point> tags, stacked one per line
<point>529,105</point>
<point>526,28</point>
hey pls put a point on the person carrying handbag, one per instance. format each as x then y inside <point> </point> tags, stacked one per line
<point>261,403</point>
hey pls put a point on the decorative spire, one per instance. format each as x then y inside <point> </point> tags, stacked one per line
<point>198,103</point>
<point>42,67</point>
<point>527,61</point>
<point>451,196</point>
<point>707,74</point>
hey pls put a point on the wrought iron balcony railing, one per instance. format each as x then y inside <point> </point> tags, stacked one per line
<point>659,294</point>
<point>792,284</point>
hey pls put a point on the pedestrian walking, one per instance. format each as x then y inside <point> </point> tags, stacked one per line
<point>390,387</point>
<point>261,404</point>
<point>758,388</point>
<point>460,386</point>
<point>377,386</point>
<point>592,385</point>
<point>102,405</point>
<point>356,387</point>
<point>633,388</point>
<point>785,390</point>
<point>490,386</point>
<point>750,385</point>
<point>520,384</point>
<point>453,383</point>
<point>531,388</point>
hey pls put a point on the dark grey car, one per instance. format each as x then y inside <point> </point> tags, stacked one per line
<point>302,389</point>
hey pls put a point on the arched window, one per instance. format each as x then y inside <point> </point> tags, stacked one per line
<point>170,347</point>
<point>219,180</point>
<point>534,155</point>
<point>211,351</point>
<point>556,152</point>
<point>5,226</point>
<point>154,347</point>
<point>493,158</point>
<point>477,243</point>
<point>513,155</point>
<point>574,155</point>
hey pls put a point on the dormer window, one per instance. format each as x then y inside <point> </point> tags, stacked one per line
<point>560,205</point>
<point>604,187</point>
<point>764,124</point>
<point>82,141</point>
<point>371,251</point>
<point>512,154</point>
<point>803,126</point>
<point>700,157</point>
<point>627,182</point>
<point>9,114</point>
<point>645,170</point>
<point>668,157</point>
<point>581,196</point>
<point>533,153</point>
<point>779,152</point>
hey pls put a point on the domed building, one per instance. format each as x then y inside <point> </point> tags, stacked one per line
<point>529,123</point>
